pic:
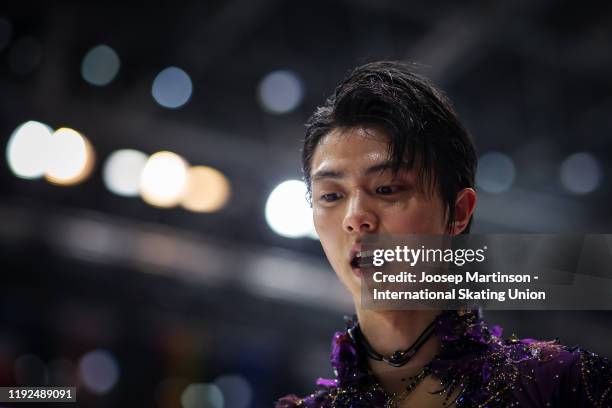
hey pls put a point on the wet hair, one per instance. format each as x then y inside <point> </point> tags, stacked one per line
<point>424,131</point>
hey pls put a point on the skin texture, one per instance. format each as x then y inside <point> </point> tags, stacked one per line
<point>352,196</point>
<point>350,202</point>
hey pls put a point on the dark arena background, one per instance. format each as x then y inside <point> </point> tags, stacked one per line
<point>143,290</point>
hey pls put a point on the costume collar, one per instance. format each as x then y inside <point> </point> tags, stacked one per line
<point>460,332</point>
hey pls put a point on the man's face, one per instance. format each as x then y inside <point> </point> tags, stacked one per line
<point>354,194</point>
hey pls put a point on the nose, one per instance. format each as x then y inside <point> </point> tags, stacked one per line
<point>359,217</point>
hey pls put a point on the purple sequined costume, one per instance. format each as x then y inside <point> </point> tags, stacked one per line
<point>486,370</point>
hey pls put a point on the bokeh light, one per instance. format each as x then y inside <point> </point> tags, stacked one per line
<point>496,172</point>
<point>288,212</point>
<point>207,189</point>
<point>202,396</point>
<point>70,157</point>
<point>122,172</point>
<point>164,179</point>
<point>580,173</point>
<point>25,55</point>
<point>27,149</point>
<point>98,371</point>
<point>281,91</point>
<point>172,88</point>
<point>100,65</point>
<point>236,390</point>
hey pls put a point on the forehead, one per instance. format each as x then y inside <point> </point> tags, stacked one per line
<point>351,146</point>
<point>364,151</point>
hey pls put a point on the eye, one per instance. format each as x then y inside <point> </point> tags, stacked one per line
<point>388,190</point>
<point>330,197</point>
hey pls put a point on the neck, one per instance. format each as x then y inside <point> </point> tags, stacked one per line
<point>388,331</point>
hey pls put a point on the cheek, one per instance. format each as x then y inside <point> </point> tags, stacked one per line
<point>416,218</point>
<point>330,232</point>
<point>323,225</point>
<point>326,221</point>
<point>318,218</point>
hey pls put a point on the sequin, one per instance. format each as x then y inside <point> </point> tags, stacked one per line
<point>479,366</point>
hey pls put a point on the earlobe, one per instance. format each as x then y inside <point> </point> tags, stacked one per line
<point>464,208</point>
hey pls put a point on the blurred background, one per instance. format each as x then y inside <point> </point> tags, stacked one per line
<point>155,249</point>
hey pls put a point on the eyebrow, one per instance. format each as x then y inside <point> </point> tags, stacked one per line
<point>333,174</point>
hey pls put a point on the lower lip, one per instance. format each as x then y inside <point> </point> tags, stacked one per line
<point>357,271</point>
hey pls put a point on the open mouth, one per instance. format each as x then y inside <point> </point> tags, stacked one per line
<point>361,259</point>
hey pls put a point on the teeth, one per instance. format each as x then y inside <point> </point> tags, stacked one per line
<point>364,254</point>
<point>362,259</point>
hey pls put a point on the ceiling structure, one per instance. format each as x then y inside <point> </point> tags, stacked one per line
<point>530,79</point>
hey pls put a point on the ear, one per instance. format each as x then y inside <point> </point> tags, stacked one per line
<point>464,208</point>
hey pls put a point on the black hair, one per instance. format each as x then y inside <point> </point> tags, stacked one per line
<point>422,126</point>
